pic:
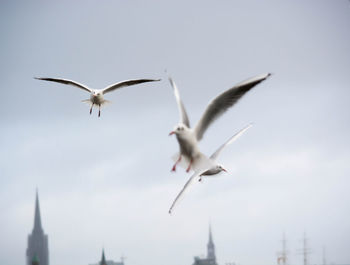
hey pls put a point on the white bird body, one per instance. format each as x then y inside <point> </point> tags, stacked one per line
<point>187,137</point>
<point>187,141</point>
<point>96,95</point>
<point>206,166</point>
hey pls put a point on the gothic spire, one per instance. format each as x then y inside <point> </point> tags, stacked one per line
<point>103,259</point>
<point>37,218</point>
<point>210,246</point>
<point>210,236</point>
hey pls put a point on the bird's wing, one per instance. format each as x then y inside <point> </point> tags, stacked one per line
<point>183,114</point>
<point>224,101</point>
<point>195,177</point>
<point>202,164</point>
<point>229,141</point>
<point>66,82</point>
<point>126,83</point>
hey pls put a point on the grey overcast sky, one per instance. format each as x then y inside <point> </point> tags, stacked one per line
<point>106,182</point>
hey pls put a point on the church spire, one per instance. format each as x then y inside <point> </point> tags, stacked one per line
<point>103,259</point>
<point>38,244</point>
<point>37,218</point>
<point>210,246</point>
<point>210,236</point>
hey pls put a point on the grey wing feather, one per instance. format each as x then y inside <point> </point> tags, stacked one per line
<point>66,82</point>
<point>183,114</point>
<point>224,101</point>
<point>229,141</point>
<point>192,179</point>
<point>127,83</point>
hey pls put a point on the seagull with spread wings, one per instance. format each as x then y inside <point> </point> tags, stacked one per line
<point>96,95</point>
<point>188,137</point>
<point>206,166</point>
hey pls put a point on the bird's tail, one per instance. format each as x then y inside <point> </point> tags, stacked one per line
<point>106,102</point>
<point>200,162</point>
<point>88,101</point>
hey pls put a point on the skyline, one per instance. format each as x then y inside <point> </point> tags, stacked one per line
<point>306,251</point>
<point>107,182</point>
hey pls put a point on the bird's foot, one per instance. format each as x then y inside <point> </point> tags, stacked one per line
<point>189,166</point>
<point>99,113</point>
<point>92,105</point>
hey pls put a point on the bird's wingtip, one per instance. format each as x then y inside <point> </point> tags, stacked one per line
<point>170,210</point>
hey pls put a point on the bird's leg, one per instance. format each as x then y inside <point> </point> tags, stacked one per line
<point>99,110</point>
<point>91,108</point>
<point>177,161</point>
<point>189,166</point>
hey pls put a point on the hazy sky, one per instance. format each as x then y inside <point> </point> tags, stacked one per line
<point>106,182</point>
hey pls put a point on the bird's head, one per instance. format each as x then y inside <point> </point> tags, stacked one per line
<point>96,93</point>
<point>213,171</point>
<point>220,168</point>
<point>179,129</point>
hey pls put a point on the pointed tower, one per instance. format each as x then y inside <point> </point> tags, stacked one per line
<point>211,247</point>
<point>37,218</point>
<point>211,257</point>
<point>103,259</point>
<point>37,240</point>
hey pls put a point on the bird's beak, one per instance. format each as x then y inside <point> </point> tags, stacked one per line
<point>224,170</point>
<point>171,133</point>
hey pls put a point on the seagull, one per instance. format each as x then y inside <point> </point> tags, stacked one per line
<point>96,95</point>
<point>188,137</point>
<point>204,166</point>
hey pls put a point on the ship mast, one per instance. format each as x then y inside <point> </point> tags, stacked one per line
<point>305,251</point>
<point>282,255</point>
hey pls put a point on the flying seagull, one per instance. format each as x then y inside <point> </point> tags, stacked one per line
<point>188,137</point>
<point>204,166</point>
<point>96,95</point>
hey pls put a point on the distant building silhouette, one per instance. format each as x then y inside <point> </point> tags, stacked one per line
<point>107,262</point>
<point>103,259</point>
<point>38,248</point>
<point>211,258</point>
